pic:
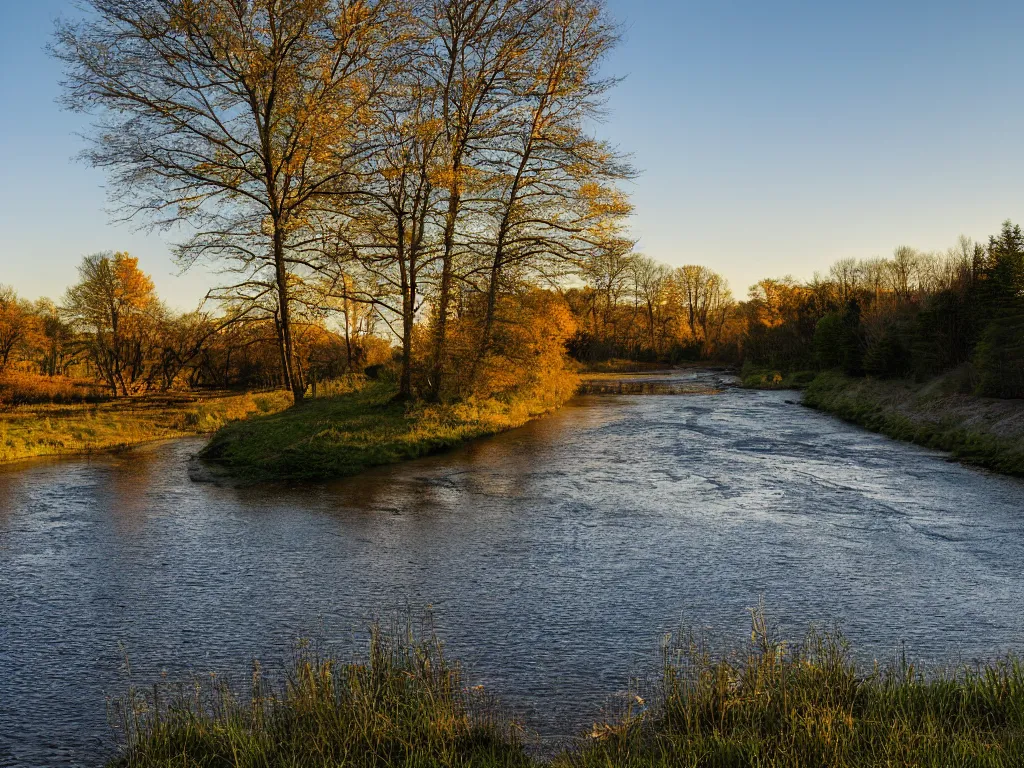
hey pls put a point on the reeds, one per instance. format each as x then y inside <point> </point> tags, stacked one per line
<point>20,388</point>
<point>402,705</point>
<point>767,705</point>
<point>776,705</point>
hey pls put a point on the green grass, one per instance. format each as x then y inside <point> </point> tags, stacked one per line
<point>52,430</point>
<point>343,434</point>
<point>972,429</point>
<point>403,705</point>
<point>805,705</point>
<point>769,704</point>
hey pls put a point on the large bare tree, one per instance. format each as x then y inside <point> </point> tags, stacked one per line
<point>242,119</point>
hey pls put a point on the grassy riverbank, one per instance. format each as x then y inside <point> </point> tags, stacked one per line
<point>806,705</point>
<point>982,431</point>
<point>28,431</point>
<point>768,705</point>
<point>344,434</point>
<point>402,705</point>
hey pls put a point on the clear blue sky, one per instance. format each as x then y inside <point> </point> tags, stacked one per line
<point>773,137</point>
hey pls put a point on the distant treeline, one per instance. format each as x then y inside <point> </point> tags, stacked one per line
<point>915,314</point>
<point>110,335</point>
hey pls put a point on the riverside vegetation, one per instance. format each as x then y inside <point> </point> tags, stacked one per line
<point>367,426</point>
<point>439,189</point>
<point>58,429</point>
<point>769,704</point>
<point>431,182</point>
<point>941,414</point>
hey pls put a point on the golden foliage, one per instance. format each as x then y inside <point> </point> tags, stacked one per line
<point>527,359</point>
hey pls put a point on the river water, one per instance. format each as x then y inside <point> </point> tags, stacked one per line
<point>553,558</point>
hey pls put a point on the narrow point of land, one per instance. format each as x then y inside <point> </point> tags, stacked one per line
<point>333,437</point>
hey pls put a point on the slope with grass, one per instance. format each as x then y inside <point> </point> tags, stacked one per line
<point>985,432</point>
<point>30,431</point>
<point>332,437</point>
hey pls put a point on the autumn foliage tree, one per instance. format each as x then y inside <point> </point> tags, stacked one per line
<point>16,323</point>
<point>115,310</point>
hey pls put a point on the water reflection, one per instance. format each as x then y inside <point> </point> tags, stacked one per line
<point>554,557</point>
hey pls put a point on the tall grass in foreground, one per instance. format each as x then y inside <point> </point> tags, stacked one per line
<point>806,705</point>
<point>768,705</point>
<point>403,705</point>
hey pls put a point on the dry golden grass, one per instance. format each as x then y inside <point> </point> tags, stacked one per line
<point>21,388</point>
<point>61,429</point>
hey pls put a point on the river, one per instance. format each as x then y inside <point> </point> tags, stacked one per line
<point>553,558</point>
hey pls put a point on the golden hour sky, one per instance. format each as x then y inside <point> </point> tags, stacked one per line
<point>773,138</point>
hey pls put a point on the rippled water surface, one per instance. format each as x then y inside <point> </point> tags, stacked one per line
<point>554,557</point>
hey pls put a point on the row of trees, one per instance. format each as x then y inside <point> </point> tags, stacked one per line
<point>424,161</point>
<point>940,312</point>
<point>112,329</point>
<point>428,166</point>
<point>914,314</point>
<point>632,307</point>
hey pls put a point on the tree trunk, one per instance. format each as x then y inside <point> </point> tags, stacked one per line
<point>405,384</point>
<point>408,284</point>
<point>445,293</point>
<point>348,339</point>
<point>292,379</point>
